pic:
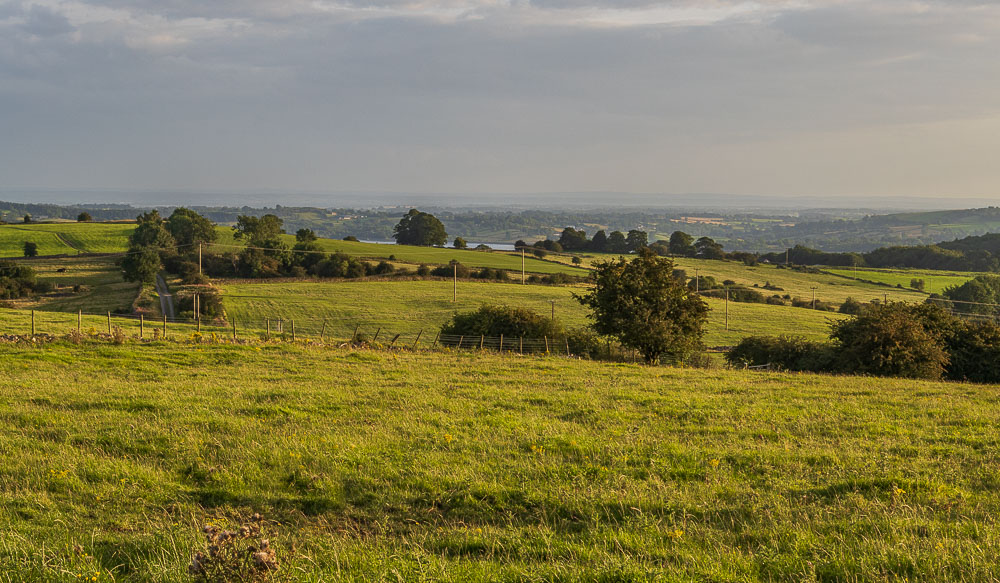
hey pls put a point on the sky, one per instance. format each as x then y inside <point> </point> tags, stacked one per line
<point>789,98</point>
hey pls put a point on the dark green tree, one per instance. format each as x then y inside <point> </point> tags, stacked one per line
<point>258,230</point>
<point>30,249</point>
<point>419,228</point>
<point>305,236</point>
<point>707,248</point>
<point>27,218</point>
<point>84,217</point>
<point>893,339</point>
<point>189,228</point>
<point>617,242</point>
<point>681,244</point>
<point>141,264</point>
<point>572,239</point>
<point>636,239</point>
<point>639,302</point>
<point>150,232</point>
<point>460,243</point>
<point>599,244</point>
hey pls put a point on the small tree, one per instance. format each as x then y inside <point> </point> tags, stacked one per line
<point>645,308</point>
<point>460,243</point>
<point>27,218</point>
<point>30,249</point>
<point>419,228</point>
<point>681,244</point>
<point>84,217</point>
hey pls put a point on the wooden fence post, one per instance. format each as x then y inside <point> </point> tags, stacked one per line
<point>520,344</point>
<point>355,337</point>
<point>394,339</point>
<point>140,325</point>
<point>109,322</point>
<point>267,329</point>
<point>501,343</point>
<point>164,325</point>
<point>32,322</point>
<point>376,335</point>
<point>322,332</point>
<point>79,320</point>
<point>417,340</point>
<point>234,329</point>
<point>436,336</point>
<point>567,346</point>
<point>482,339</point>
<point>546,344</point>
<point>460,340</point>
<point>292,322</point>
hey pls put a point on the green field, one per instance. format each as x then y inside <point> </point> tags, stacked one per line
<point>935,281</point>
<point>431,466</point>
<point>406,307</point>
<point>65,238</point>
<point>100,280</point>
<point>428,255</point>
<point>70,238</point>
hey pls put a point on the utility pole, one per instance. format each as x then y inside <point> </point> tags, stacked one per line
<point>697,283</point>
<point>199,259</point>
<point>727,307</point>
<point>814,297</point>
<point>786,257</point>
<point>455,292</point>
<point>522,266</point>
<point>553,302</point>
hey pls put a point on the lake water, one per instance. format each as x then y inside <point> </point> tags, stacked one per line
<point>472,245</point>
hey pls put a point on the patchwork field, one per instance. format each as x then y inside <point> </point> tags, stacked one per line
<point>379,466</point>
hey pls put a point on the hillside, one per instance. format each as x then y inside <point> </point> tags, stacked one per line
<point>486,467</point>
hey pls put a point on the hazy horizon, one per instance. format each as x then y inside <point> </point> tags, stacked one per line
<point>790,100</point>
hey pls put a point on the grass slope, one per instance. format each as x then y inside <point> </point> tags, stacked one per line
<point>409,306</point>
<point>935,281</point>
<point>65,238</point>
<point>375,466</point>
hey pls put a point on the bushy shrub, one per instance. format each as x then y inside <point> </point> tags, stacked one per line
<point>850,306</point>
<point>783,352</point>
<point>17,281</point>
<point>494,320</point>
<point>584,342</point>
<point>423,270</point>
<point>890,340</point>
<point>775,300</point>
<point>450,270</point>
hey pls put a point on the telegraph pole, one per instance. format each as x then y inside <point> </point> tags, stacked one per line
<point>553,302</point>
<point>199,259</point>
<point>522,266</point>
<point>814,297</point>
<point>455,292</point>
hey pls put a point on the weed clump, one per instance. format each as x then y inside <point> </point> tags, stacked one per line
<point>243,554</point>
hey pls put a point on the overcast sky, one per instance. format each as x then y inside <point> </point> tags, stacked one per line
<point>817,98</point>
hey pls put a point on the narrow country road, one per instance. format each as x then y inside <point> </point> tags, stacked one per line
<point>166,300</point>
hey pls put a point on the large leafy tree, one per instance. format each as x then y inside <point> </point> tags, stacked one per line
<point>639,303</point>
<point>150,232</point>
<point>636,239</point>
<point>141,264</point>
<point>681,244</point>
<point>257,230</point>
<point>189,228</point>
<point>419,228</point>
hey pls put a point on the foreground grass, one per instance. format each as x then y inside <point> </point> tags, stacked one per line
<point>435,466</point>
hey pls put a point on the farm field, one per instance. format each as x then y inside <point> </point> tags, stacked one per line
<point>428,255</point>
<point>935,281</point>
<point>829,288</point>
<point>406,307</point>
<point>486,467</point>
<point>65,238</point>
<point>70,238</point>
<point>102,289</point>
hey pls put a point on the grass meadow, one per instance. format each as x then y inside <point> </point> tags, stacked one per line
<point>65,238</point>
<point>935,281</point>
<point>438,466</point>
<point>406,307</point>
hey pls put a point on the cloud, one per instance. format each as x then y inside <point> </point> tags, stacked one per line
<point>484,95</point>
